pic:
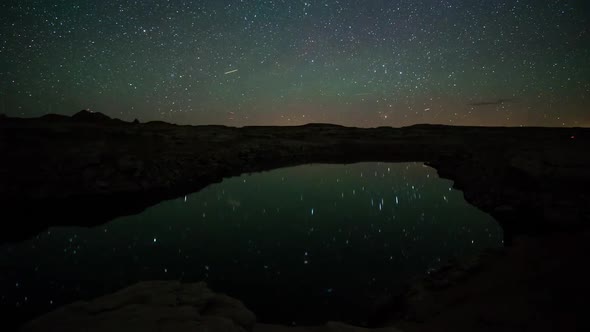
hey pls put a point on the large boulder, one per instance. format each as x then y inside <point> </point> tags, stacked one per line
<point>151,306</point>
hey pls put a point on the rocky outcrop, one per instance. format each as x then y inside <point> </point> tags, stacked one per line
<point>167,306</point>
<point>537,284</point>
<point>151,306</point>
<point>89,116</point>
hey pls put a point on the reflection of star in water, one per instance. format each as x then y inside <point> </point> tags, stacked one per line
<point>234,203</point>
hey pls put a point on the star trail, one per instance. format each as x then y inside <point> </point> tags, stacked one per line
<point>358,63</point>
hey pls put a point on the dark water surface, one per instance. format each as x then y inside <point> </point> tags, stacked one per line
<point>304,244</point>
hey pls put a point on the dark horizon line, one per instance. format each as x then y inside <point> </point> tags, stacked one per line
<point>101,117</point>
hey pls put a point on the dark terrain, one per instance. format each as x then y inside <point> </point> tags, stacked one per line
<point>87,169</point>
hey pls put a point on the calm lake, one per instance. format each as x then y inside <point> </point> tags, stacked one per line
<point>299,245</point>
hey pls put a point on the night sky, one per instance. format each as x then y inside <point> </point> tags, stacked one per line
<point>282,62</point>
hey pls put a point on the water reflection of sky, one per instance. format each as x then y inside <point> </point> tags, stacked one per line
<point>296,244</point>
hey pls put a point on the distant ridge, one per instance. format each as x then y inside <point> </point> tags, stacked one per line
<point>98,118</point>
<point>322,125</point>
<point>55,117</point>
<point>428,125</point>
<point>88,116</point>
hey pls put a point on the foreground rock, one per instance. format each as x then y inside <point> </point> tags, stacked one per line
<point>538,284</point>
<point>151,306</point>
<point>167,306</point>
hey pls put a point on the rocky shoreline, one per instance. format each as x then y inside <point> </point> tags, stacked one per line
<point>167,306</point>
<point>87,169</point>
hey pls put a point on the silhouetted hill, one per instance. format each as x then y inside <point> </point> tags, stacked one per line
<point>88,116</point>
<point>55,117</point>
